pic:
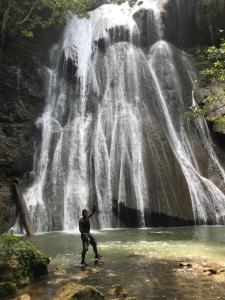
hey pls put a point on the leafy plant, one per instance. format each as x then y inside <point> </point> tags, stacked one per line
<point>25,259</point>
<point>211,65</point>
<point>26,15</point>
<point>7,244</point>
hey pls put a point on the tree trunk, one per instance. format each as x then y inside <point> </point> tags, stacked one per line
<point>22,207</point>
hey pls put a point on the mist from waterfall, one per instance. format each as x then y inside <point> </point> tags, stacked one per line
<point>114,130</point>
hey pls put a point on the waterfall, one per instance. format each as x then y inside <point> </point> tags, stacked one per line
<point>114,131</point>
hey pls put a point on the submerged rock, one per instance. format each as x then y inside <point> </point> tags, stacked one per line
<point>117,290</point>
<point>24,297</point>
<point>78,292</point>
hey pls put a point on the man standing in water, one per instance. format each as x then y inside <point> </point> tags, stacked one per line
<point>86,237</point>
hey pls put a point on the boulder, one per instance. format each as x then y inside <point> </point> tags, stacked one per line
<point>78,292</point>
<point>21,261</point>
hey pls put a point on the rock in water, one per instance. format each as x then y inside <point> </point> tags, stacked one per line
<point>78,292</point>
<point>118,290</point>
<point>184,264</point>
<point>20,261</point>
<point>24,297</point>
<point>210,271</point>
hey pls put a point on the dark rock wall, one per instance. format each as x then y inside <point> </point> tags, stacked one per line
<point>21,102</point>
<point>193,22</point>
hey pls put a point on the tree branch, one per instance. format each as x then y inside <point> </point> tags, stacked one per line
<point>6,17</point>
<point>212,111</point>
<point>29,13</point>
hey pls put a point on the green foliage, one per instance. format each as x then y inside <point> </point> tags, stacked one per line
<point>23,255</point>
<point>26,15</point>
<point>211,65</point>
<point>7,245</point>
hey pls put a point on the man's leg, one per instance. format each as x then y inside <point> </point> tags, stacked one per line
<point>94,245</point>
<point>85,244</point>
<point>83,254</point>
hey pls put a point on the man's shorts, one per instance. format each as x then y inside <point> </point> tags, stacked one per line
<point>86,240</point>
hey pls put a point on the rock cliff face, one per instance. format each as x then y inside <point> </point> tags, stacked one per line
<point>21,103</point>
<point>193,22</point>
<point>187,23</point>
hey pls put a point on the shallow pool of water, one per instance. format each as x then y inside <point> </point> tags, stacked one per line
<point>144,261</point>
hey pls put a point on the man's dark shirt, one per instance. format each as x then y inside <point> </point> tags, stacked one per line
<point>84,225</point>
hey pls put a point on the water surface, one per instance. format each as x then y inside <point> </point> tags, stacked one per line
<point>144,261</point>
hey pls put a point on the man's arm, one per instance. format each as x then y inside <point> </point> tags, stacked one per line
<point>93,211</point>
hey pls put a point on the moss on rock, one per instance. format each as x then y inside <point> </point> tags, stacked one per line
<point>7,290</point>
<point>20,261</point>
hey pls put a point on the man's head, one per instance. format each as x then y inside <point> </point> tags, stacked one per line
<point>84,213</point>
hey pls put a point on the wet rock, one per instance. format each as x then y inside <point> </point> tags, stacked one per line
<point>102,44</point>
<point>59,271</point>
<point>221,271</point>
<point>210,271</point>
<point>21,98</point>
<point>117,290</point>
<point>6,272</point>
<point>145,20</point>
<point>7,290</point>
<point>186,24</point>
<point>22,262</point>
<point>58,281</point>
<point>110,273</point>
<point>78,291</point>
<point>24,297</point>
<point>80,276</point>
<point>185,265</point>
<point>119,34</point>
<point>7,198</point>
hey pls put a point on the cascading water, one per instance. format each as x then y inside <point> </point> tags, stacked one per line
<point>114,131</point>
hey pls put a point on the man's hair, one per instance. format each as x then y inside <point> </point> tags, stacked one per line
<point>84,211</point>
